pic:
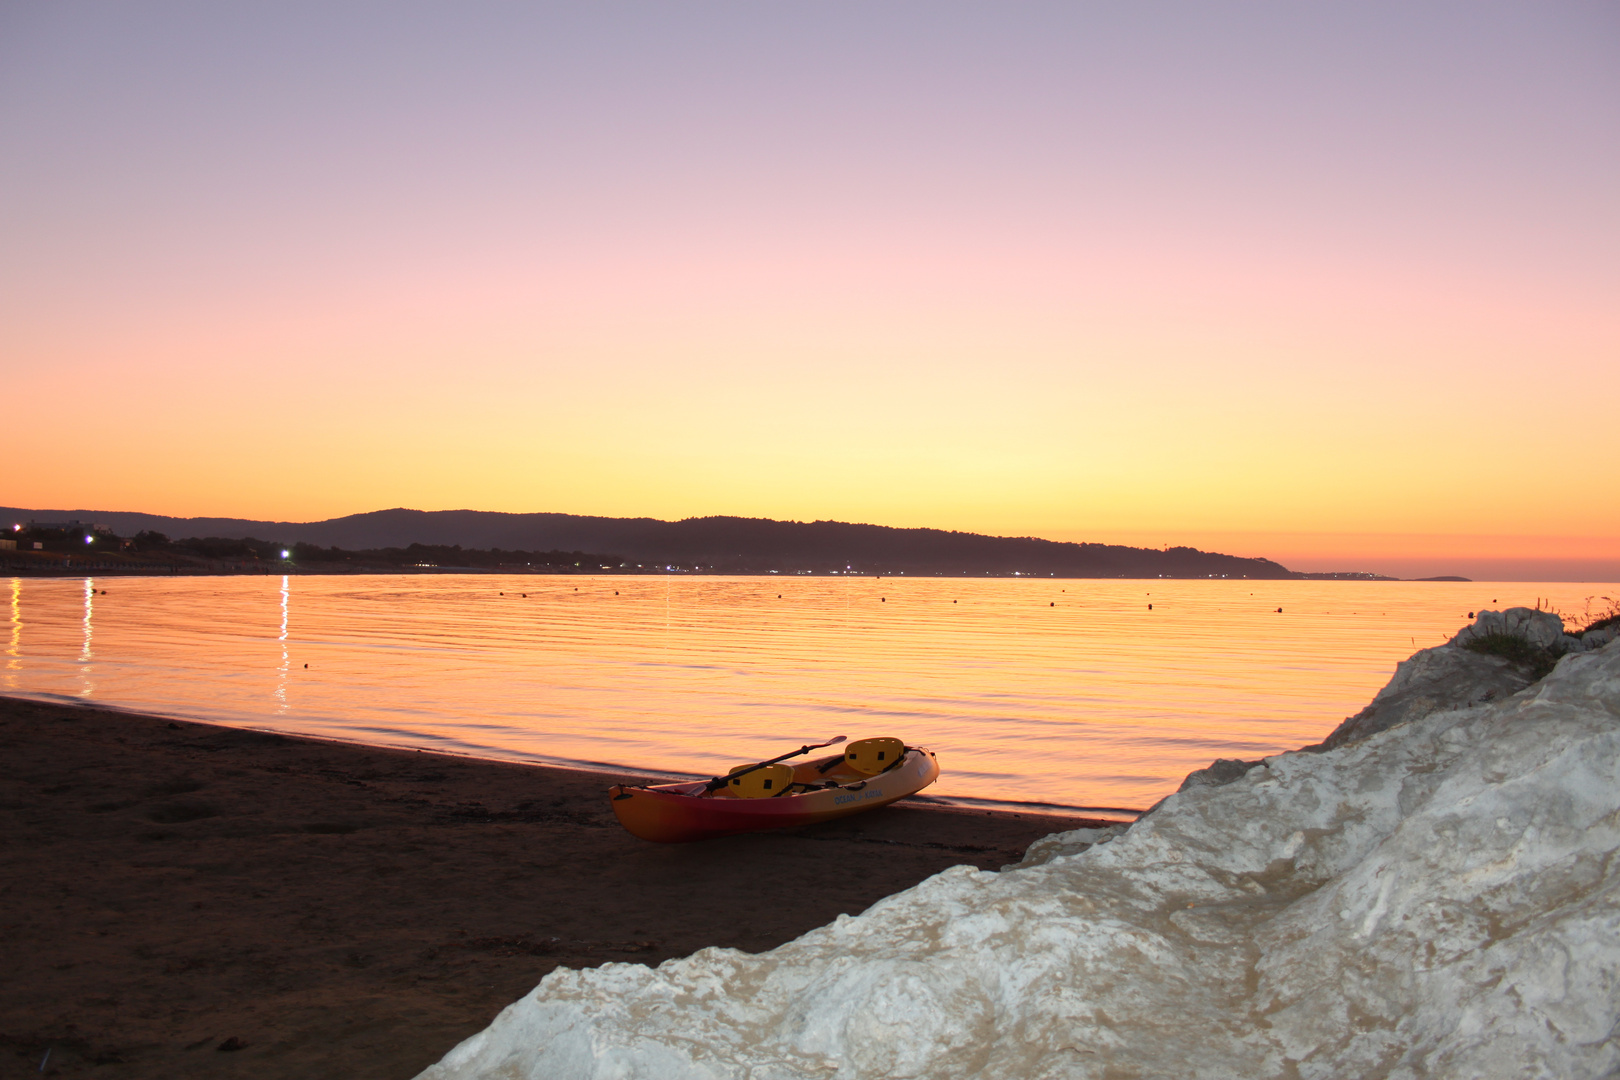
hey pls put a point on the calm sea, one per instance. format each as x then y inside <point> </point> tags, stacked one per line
<point>1073,693</point>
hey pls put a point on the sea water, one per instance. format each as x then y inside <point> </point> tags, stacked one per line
<point>1072,693</point>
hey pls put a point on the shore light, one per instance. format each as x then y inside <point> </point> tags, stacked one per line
<point>285,554</point>
<point>89,539</point>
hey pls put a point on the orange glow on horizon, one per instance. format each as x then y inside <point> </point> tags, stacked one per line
<point>1100,281</point>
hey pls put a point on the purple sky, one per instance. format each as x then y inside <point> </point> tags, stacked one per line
<point>1331,283</point>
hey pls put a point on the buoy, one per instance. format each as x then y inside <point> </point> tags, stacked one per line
<point>1279,611</point>
<point>1054,604</point>
<point>1150,607</point>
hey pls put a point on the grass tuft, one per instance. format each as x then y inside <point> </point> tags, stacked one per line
<point>1600,619</point>
<point>1535,661</point>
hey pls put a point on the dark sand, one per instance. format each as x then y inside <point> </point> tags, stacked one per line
<point>180,899</point>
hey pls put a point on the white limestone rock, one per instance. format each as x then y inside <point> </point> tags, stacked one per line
<point>1441,899</point>
<point>1430,681</point>
<point>1540,628</point>
<point>1072,842</point>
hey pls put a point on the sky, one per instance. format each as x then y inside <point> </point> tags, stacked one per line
<point>1338,285</point>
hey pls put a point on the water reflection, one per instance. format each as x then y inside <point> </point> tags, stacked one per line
<point>281,674</point>
<point>14,646</point>
<point>1065,691</point>
<point>86,685</point>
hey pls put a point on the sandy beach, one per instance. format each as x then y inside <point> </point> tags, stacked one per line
<point>183,899</point>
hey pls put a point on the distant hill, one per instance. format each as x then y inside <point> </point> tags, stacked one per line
<point>716,544</point>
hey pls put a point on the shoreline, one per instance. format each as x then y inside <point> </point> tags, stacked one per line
<point>966,803</point>
<point>191,899</point>
<point>175,569</point>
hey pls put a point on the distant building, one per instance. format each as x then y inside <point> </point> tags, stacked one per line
<point>8,545</point>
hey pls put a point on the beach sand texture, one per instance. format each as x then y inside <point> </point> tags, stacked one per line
<point>181,899</point>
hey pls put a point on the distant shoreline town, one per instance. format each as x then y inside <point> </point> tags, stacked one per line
<point>56,543</point>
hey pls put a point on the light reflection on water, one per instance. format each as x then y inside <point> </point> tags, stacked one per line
<point>1066,692</point>
<point>87,686</point>
<point>281,639</point>
<point>14,645</point>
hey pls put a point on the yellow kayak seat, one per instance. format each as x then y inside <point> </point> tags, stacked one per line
<point>872,756</point>
<point>762,783</point>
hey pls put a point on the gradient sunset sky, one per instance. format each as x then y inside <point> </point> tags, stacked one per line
<point>1334,284</point>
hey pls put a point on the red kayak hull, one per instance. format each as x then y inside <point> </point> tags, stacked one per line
<point>675,813</point>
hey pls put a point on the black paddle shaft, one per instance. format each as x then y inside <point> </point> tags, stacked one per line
<point>719,782</point>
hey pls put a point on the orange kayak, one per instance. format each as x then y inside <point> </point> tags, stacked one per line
<point>820,790</point>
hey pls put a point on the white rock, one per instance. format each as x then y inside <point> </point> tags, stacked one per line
<point>1073,842</point>
<point>1538,627</point>
<point>1441,899</point>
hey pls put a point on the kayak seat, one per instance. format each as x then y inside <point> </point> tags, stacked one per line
<point>762,783</point>
<point>872,756</point>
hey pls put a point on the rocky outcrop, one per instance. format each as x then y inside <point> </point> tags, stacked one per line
<point>1446,677</point>
<point>1449,676</point>
<point>1541,629</point>
<point>1073,842</point>
<point>1438,899</point>
<point>1220,771</point>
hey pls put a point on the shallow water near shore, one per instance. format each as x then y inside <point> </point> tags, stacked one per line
<point>1072,693</point>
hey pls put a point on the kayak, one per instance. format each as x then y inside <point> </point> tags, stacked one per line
<point>869,774</point>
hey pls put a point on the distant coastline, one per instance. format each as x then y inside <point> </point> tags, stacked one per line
<point>76,542</point>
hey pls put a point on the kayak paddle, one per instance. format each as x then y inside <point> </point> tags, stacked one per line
<point>721,781</point>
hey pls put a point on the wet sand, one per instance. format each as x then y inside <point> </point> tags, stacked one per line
<point>181,899</point>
